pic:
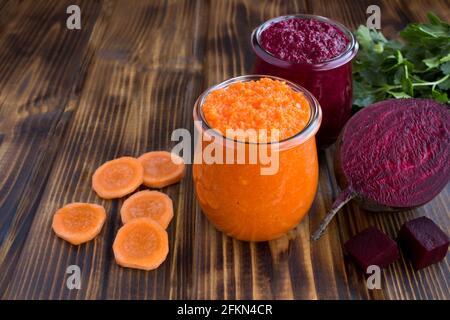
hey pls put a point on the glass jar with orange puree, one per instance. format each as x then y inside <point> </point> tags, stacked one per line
<point>263,195</point>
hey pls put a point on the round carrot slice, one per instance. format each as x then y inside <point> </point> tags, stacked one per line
<point>150,204</point>
<point>141,244</point>
<point>118,177</point>
<point>161,168</point>
<point>79,222</point>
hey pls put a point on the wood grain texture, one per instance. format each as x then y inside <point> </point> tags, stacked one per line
<point>70,100</point>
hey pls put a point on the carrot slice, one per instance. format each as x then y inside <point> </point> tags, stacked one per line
<point>79,222</point>
<point>118,177</point>
<point>141,244</point>
<point>161,168</point>
<point>150,204</point>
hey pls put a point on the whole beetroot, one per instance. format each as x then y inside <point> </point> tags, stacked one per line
<point>393,155</point>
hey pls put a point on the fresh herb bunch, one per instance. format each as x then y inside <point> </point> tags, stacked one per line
<point>417,67</point>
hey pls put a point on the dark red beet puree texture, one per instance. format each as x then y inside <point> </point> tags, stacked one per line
<point>303,40</point>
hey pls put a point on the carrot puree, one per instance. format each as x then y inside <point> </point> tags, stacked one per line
<point>237,198</point>
<point>263,104</point>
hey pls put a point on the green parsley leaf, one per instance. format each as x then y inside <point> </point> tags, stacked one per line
<point>419,66</point>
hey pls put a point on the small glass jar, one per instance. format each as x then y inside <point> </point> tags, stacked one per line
<point>329,81</point>
<point>241,201</point>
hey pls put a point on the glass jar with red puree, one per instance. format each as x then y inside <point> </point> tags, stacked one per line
<point>239,197</point>
<point>316,53</point>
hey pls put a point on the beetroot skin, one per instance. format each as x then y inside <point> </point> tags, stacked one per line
<point>393,155</point>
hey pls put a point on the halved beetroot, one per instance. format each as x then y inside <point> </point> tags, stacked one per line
<point>393,155</point>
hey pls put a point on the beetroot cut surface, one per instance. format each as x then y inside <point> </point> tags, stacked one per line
<point>393,155</point>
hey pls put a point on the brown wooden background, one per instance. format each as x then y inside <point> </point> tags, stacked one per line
<point>70,100</point>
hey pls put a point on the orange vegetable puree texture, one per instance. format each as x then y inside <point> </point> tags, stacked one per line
<point>263,104</point>
<point>236,198</point>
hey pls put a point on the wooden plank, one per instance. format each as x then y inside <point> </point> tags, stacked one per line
<point>42,70</point>
<point>417,10</point>
<point>329,264</point>
<point>432,282</point>
<point>227,268</point>
<point>400,281</point>
<point>139,88</point>
<point>294,269</point>
<point>164,102</point>
<point>70,100</point>
<point>8,10</point>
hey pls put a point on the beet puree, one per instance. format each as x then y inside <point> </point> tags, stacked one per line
<point>303,40</point>
<point>316,53</point>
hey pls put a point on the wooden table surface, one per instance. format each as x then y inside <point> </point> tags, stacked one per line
<point>72,99</point>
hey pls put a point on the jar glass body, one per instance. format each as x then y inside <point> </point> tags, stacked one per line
<point>241,201</point>
<point>330,81</point>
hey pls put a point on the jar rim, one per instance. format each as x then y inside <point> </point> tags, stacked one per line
<point>309,130</point>
<point>342,58</point>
